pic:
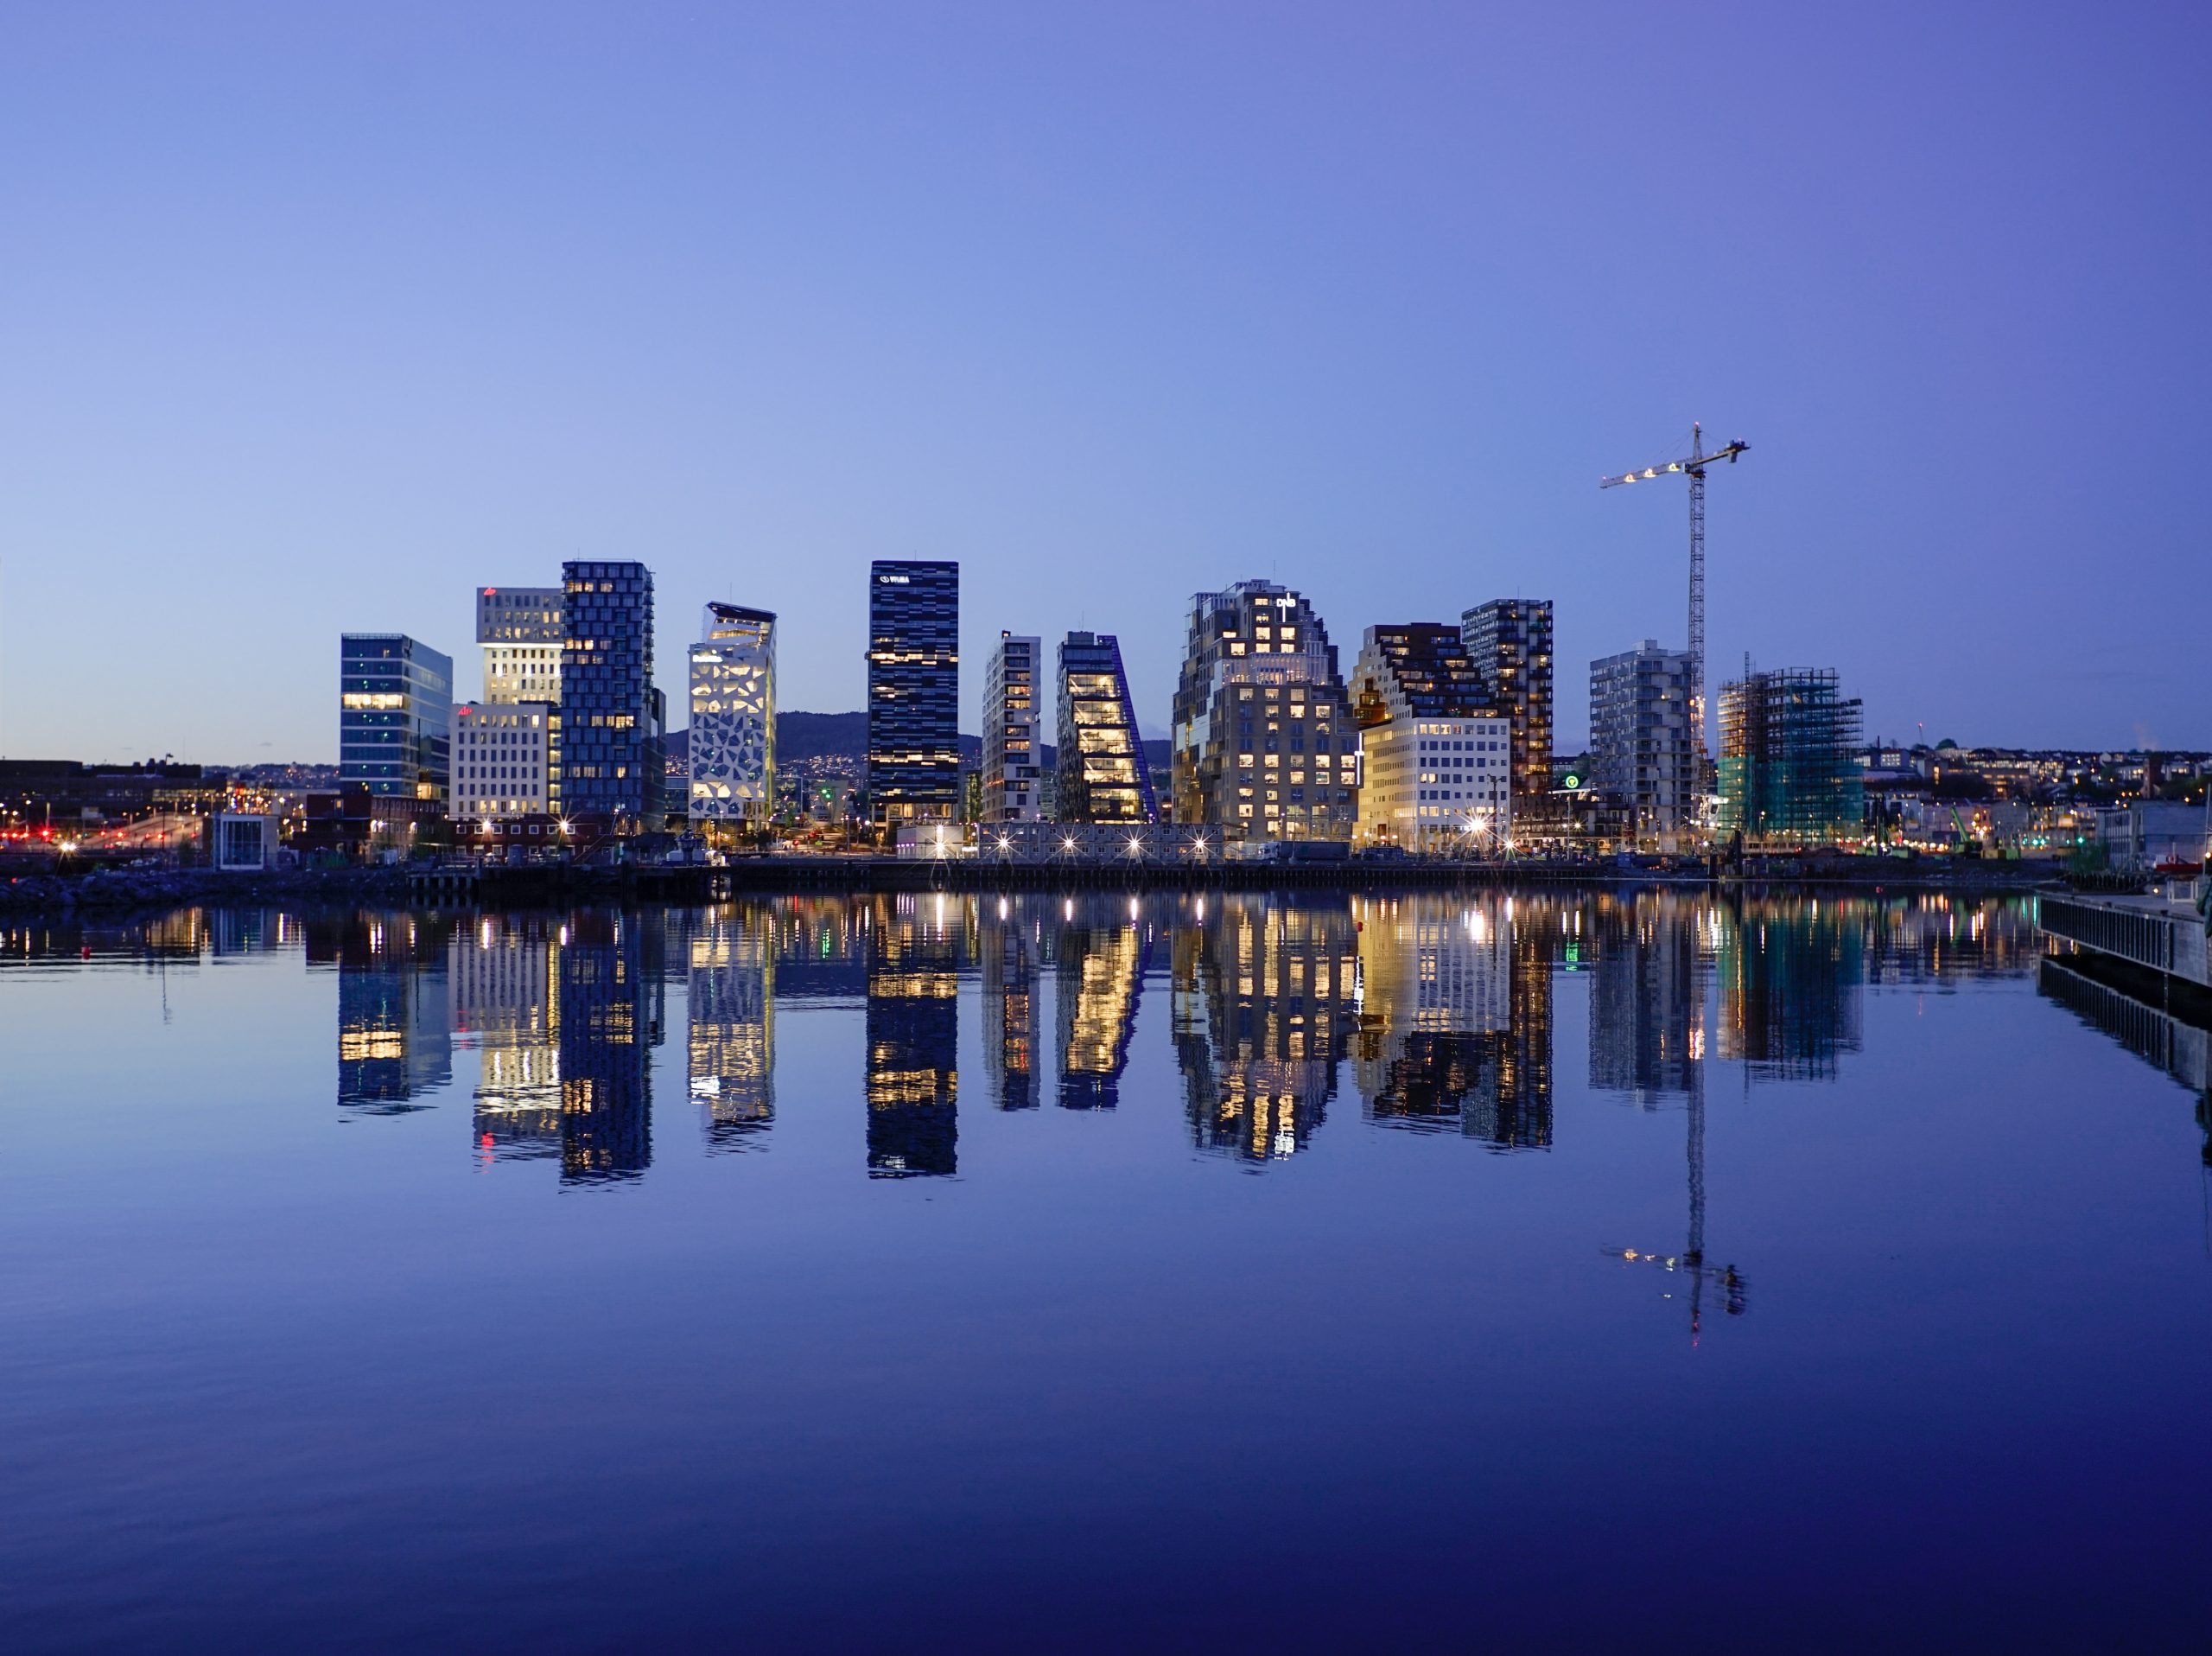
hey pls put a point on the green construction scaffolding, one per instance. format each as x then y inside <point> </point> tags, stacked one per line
<point>1789,770</point>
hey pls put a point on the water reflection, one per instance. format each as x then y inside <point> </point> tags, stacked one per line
<point>913,1037</point>
<point>1263,1008</point>
<point>505,977</point>
<point>732,1050</point>
<point>1455,1018</point>
<point>1009,949</point>
<point>2153,1032</point>
<point>1443,1005</point>
<point>609,980</point>
<point>1100,972</point>
<point>395,1004</point>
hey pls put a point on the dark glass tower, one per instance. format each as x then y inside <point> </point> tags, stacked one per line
<point>1509,640</point>
<point>913,691</point>
<point>611,757</point>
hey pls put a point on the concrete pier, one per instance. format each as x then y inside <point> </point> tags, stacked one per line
<point>2166,934</point>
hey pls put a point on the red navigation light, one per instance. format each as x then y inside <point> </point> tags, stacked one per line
<point>491,592</point>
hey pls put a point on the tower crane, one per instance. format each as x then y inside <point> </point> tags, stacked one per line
<point>1693,467</point>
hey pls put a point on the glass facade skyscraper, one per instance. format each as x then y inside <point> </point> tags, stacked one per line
<point>395,720</point>
<point>913,691</point>
<point>1103,773</point>
<point>611,761</point>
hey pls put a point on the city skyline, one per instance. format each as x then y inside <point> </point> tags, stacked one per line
<point>1366,309</point>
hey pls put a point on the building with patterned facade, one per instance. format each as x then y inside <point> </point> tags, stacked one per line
<point>732,745</point>
<point>1263,740</point>
<point>610,760</point>
<point>1013,774</point>
<point>1434,752</point>
<point>1509,641</point>
<point>913,691</point>
<point>1103,773</point>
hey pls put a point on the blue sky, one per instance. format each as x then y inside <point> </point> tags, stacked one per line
<point>316,318</point>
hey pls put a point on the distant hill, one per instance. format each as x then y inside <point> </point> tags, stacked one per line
<point>817,735</point>
<point>822,736</point>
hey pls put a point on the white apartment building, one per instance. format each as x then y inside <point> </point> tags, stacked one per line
<point>502,759</point>
<point>1435,759</point>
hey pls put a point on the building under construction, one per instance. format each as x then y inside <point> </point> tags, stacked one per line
<point>1789,759</point>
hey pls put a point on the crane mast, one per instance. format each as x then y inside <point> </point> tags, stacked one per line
<point>1697,599</point>
<point>1695,467</point>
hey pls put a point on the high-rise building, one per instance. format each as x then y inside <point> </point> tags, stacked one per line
<point>732,746</point>
<point>1013,780</point>
<point>913,691</point>
<point>1789,759</point>
<point>1103,773</point>
<point>519,628</point>
<point>1642,750</point>
<point>1434,752</point>
<point>502,759</point>
<point>395,720</point>
<point>611,758</point>
<point>1263,739</point>
<point>1509,640</point>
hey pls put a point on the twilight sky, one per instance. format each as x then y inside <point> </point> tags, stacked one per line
<point>314,318</point>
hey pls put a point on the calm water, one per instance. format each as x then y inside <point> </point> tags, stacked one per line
<point>941,1274</point>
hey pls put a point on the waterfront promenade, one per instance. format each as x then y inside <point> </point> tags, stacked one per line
<point>439,882</point>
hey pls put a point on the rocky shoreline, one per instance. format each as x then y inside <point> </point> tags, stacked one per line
<point>109,890</point>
